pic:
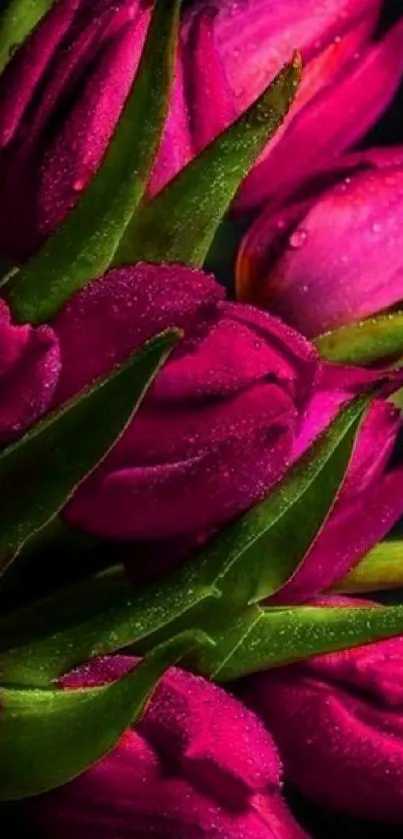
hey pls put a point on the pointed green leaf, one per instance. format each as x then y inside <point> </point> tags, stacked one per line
<point>247,561</point>
<point>364,341</point>
<point>16,22</point>
<point>258,553</point>
<point>48,737</point>
<point>261,639</point>
<point>381,569</point>
<point>39,472</point>
<point>179,224</point>
<point>82,248</point>
<point>48,638</point>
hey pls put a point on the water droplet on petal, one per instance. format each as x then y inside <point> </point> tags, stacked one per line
<point>80,183</point>
<point>298,239</point>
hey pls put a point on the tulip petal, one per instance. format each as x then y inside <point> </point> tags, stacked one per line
<point>378,157</point>
<point>40,472</point>
<point>80,145</point>
<point>176,148</point>
<point>343,261</point>
<point>337,117</point>
<point>23,75</point>
<point>212,107</point>
<point>70,66</point>
<point>369,504</point>
<point>348,535</point>
<point>250,764</point>
<point>97,327</point>
<point>136,501</point>
<point>196,201</point>
<point>337,720</point>
<point>198,764</point>
<point>29,372</point>
<point>273,228</point>
<point>256,37</point>
<point>261,246</point>
<point>296,366</point>
<point>336,386</point>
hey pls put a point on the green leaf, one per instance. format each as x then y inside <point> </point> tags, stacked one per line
<point>365,341</point>
<point>16,22</point>
<point>255,556</point>
<point>261,639</point>
<point>381,569</point>
<point>39,473</point>
<point>179,224</point>
<point>246,562</point>
<point>48,737</point>
<point>48,638</point>
<point>82,248</point>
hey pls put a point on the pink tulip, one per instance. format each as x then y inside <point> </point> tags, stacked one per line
<point>338,722</point>
<point>242,396</point>
<point>63,91</point>
<point>231,395</point>
<point>335,256</point>
<point>199,764</point>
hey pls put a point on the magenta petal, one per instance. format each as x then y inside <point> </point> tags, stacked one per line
<point>276,230</point>
<point>379,157</point>
<point>201,103</point>
<point>23,75</point>
<point>370,502</point>
<point>29,371</point>
<point>78,148</point>
<point>211,102</point>
<point>344,260</point>
<point>199,764</point>
<point>352,530</point>
<point>61,130</point>
<point>256,37</point>
<point>177,148</point>
<point>209,486</point>
<point>261,246</point>
<point>70,64</point>
<point>189,716</point>
<point>230,395</point>
<point>339,725</point>
<point>331,122</point>
<point>335,386</point>
<point>113,316</point>
<point>294,361</point>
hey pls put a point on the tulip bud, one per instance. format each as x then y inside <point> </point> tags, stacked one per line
<point>335,257</point>
<point>230,396</point>
<point>198,763</point>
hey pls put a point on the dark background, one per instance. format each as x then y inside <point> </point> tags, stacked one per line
<point>318,823</point>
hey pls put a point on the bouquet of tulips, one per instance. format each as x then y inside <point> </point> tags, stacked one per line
<point>196,483</point>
